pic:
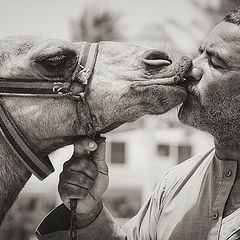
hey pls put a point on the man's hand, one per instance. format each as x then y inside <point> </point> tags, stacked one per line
<point>84,178</point>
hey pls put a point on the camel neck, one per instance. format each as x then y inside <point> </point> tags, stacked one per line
<point>14,176</point>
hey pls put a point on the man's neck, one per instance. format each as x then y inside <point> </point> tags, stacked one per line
<point>226,154</point>
<point>227,148</point>
<point>229,155</point>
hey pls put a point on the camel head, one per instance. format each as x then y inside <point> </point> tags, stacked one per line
<point>128,82</point>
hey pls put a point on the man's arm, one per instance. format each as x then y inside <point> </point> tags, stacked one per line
<point>57,224</point>
<point>142,226</point>
<point>94,221</point>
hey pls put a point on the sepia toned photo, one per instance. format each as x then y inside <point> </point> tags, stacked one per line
<point>119,120</point>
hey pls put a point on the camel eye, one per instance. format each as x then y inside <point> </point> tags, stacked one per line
<point>55,61</point>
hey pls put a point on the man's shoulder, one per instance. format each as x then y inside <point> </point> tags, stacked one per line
<point>187,168</point>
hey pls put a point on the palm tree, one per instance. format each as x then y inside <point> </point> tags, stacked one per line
<point>95,26</point>
<point>227,5</point>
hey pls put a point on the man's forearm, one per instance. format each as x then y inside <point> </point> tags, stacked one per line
<point>56,226</point>
<point>84,220</point>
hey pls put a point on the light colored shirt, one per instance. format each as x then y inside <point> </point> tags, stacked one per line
<point>231,227</point>
<point>188,204</point>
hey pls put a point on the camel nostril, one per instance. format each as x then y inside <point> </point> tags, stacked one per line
<point>157,58</point>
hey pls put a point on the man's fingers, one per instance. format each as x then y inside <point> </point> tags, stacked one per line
<point>99,159</point>
<point>84,165</point>
<point>69,191</point>
<point>102,168</point>
<point>78,179</point>
<point>99,187</point>
<point>99,154</point>
<point>84,145</point>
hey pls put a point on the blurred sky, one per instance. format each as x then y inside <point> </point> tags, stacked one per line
<point>51,18</point>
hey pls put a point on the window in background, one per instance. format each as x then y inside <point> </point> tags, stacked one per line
<point>117,150</point>
<point>184,152</point>
<point>163,150</point>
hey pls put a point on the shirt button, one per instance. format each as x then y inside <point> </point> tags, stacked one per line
<point>215,215</point>
<point>229,173</point>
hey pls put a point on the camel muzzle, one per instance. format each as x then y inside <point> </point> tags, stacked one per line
<point>159,59</point>
<point>183,67</point>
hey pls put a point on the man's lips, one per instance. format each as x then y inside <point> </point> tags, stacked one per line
<point>192,92</point>
<point>188,82</point>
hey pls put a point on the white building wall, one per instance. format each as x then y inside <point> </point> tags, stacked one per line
<point>144,168</point>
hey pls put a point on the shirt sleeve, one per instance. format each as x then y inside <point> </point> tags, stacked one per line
<point>56,226</point>
<point>142,226</point>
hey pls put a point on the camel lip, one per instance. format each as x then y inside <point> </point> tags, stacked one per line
<point>181,88</point>
<point>169,87</point>
<point>163,81</point>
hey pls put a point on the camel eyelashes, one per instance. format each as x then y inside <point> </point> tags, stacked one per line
<point>55,61</point>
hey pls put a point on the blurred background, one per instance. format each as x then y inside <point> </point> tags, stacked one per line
<point>139,153</point>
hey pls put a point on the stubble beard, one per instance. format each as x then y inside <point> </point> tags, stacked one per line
<point>210,119</point>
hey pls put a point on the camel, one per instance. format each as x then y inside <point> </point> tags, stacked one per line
<point>127,82</point>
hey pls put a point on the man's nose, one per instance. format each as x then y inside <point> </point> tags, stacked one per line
<point>195,74</point>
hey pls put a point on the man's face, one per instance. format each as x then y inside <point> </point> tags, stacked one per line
<point>213,103</point>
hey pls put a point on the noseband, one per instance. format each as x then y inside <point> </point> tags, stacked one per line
<point>73,88</point>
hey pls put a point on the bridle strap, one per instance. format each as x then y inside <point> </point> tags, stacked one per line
<point>36,87</point>
<point>41,167</point>
<point>19,145</point>
<point>26,87</point>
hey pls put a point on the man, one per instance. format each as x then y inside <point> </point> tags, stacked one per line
<point>198,199</point>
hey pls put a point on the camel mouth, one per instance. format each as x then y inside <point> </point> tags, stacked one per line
<point>171,81</point>
<point>188,82</point>
<point>168,86</point>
